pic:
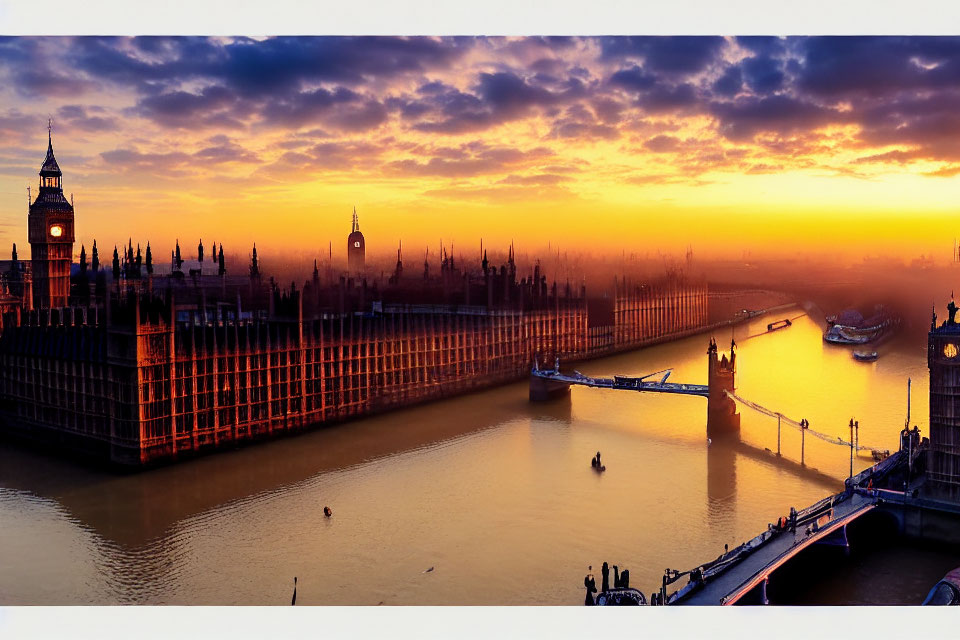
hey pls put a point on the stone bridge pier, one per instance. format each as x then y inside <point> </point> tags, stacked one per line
<point>543,389</point>
<point>723,421</point>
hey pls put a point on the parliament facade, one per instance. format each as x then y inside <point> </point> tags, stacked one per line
<point>134,365</point>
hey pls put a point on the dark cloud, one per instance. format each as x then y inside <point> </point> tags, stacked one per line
<point>730,83</point>
<point>511,96</point>
<point>763,74</point>
<point>666,99</point>
<point>763,45</point>
<point>185,109</point>
<point>498,98</point>
<point>835,67</point>
<point>77,116</point>
<point>900,93</point>
<point>633,78</point>
<point>744,118</point>
<point>665,54</point>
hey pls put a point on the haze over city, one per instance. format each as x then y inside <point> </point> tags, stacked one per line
<point>842,146</point>
<point>339,321</point>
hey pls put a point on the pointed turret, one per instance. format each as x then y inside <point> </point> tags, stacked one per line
<point>116,263</point>
<point>398,270</point>
<point>51,234</point>
<point>50,174</point>
<point>356,247</point>
<point>255,265</point>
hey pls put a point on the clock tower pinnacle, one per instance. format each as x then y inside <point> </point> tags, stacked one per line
<point>50,229</point>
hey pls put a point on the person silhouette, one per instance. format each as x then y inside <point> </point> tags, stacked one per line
<point>605,578</point>
<point>591,586</point>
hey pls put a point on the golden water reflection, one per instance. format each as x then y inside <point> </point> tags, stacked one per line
<point>495,493</point>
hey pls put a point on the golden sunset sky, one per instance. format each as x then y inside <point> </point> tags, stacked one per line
<point>772,145</point>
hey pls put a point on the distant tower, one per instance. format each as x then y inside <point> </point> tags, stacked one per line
<point>943,359</point>
<point>255,266</point>
<point>722,417</point>
<point>398,270</point>
<point>51,236</point>
<point>356,248</point>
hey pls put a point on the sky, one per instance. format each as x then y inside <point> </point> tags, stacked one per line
<point>845,145</point>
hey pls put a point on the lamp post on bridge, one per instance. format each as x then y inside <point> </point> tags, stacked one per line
<point>851,447</point>
<point>779,415</point>
<point>803,439</point>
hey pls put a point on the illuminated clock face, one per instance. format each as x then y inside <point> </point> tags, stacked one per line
<point>950,350</point>
<point>56,231</point>
<point>356,244</point>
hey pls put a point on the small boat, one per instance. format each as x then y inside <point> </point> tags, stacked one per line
<point>865,356</point>
<point>595,463</point>
<point>779,324</point>
<point>947,591</point>
<point>621,598</point>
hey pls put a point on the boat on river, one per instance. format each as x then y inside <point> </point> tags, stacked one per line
<point>851,328</point>
<point>865,356</point>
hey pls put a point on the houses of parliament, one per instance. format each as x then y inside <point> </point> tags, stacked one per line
<point>134,362</point>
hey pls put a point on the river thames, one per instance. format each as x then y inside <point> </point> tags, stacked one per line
<point>485,499</point>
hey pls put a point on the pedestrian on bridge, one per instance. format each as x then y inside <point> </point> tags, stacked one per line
<point>605,574</point>
<point>591,585</point>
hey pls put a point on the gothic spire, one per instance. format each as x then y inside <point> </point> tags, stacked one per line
<point>50,168</point>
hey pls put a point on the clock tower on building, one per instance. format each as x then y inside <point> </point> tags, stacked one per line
<point>50,230</point>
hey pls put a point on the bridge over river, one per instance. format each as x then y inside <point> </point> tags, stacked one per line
<point>741,575</point>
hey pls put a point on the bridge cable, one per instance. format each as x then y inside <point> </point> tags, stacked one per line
<point>796,424</point>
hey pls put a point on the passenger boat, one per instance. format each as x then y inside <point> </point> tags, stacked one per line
<point>838,334</point>
<point>865,356</point>
<point>849,327</point>
<point>947,591</point>
<point>621,598</point>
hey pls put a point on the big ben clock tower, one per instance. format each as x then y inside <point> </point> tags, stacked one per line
<point>50,231</point>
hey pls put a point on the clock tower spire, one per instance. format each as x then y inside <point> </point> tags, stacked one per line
<point>50,229</point>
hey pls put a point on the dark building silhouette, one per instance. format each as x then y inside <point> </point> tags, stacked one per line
<point>148,362</point>
<point>943,359</point>
<point>356,247</point>
<point>51,237</point>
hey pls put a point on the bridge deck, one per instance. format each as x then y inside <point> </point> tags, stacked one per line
<point>625,383</point>
<point>733,583</point>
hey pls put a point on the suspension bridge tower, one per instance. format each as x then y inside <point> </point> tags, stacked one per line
<point>723,421</point>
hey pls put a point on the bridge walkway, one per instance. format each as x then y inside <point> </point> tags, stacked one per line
<point>726,585</point>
